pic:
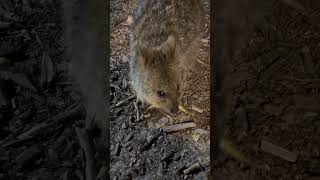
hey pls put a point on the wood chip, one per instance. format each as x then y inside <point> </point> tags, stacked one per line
<point>3,99</point>
<point>3,60</point>
<point>32,130</point>
<point>242,119</point>
<point>196,137</point>
<point>202,63</point>
<point>273,109</point>
<point>278,151</point>
<point>65,175</point>
<point>137,112</point>
<point>16,141</point>
<point>128,137</point>
<point>149,143</point>
<point>116,150</point>
<point>271,70</point>
<point>4,25</point>
<point>46,69</point>
<point>196,109</point>
<point>202,132</point>
<point>205,41</point>
<point>167,157</point>
<point>178,127</point>
<point>193,168</point>
<point>123,101</point>
<point>129,20</point>
<point>124,83</point>
<point>4,11</point>
<point>308,63</point>
<point>86,144</point>
<point>294,4</point>
<point>5,50</point>
<point>28,156</point>
<point>102,172</point>
<point>19,78</point>
<point>308,104</point>
<point>146,116</point>
<point>185,119</point>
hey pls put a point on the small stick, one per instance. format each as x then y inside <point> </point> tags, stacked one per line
<point>32,131</point>
<point>178,127</point>
<point>85,144</point>
<point>202,63</point>
<point>196,109</point>
<point>137,112</point>
<point>123,101</point>
<point>150,142</point>
<point>194,167</point>
<point>278,151</point>
<point>294,4</point>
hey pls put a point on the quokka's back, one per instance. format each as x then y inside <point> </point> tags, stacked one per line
<point>155,20</point>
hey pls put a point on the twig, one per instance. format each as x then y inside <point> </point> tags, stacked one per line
<point>278,151</point>
<point>196,109</point>
<point>193,168</point>
<point>294,4</point>
<point>137,112</point>
<point>150,142</point>
<point>31,131</point>
<point>102,172</point>
<point>123,101</point>
<point>71,111</point>
<point>16,141</point>
<point>178,127</point>
<point>91,170</point>
<point>200,62</point>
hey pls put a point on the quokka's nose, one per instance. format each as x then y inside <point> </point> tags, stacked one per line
<point>174,109</point>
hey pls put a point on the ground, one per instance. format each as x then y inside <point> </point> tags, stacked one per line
<point>140,145</point>
<point>277,102</point>
<point>277,99</point>
<point>39,108</point>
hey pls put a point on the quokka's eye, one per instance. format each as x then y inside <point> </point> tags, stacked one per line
<point>161,94</point>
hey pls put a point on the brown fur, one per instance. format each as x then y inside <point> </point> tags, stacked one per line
<point>164,42</point>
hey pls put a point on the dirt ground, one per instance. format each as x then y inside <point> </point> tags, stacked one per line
<point>141,146</point>
<point>39,107</point>
<point>277,99</point>
<point>276,102</point>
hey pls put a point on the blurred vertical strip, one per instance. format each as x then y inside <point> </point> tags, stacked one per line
<point>233,22</point>
<point>87,37</point>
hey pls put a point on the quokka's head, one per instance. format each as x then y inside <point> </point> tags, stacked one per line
<point>159,75</point>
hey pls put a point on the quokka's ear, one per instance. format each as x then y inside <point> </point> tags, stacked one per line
<point>168,47</point>
<point>143,51</point>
